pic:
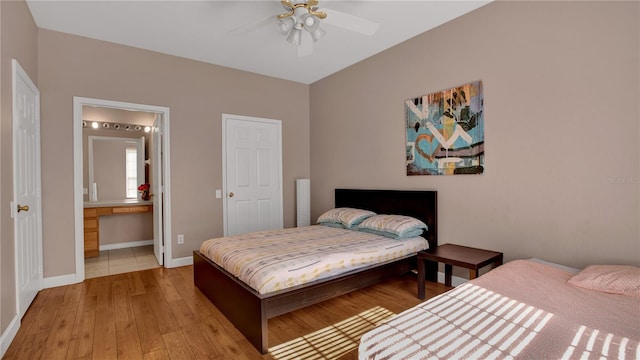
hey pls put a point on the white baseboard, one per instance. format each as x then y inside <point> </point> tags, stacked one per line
<point>179,262</point>
<point>9,334</point>
<point>61,280</point>
<point>125,245</point>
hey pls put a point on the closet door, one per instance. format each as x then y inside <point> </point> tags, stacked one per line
<point>252,158</point>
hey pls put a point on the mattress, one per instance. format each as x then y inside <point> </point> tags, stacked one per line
<point>274,260</point>
<point>521,310</point>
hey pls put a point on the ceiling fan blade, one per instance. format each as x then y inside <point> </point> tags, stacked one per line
<point>249,27</point>
<point>306,45</point>
<point>350,22</point>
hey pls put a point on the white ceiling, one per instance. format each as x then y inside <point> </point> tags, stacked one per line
<point>200,30</point>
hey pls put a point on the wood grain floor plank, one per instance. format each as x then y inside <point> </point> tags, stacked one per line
<point>48,313</point>
<point>136,287</point>
<point>105,345</point>
<point>177,346</point>
<point>81,343</point>
<point>91,286</point>
<point>162,354</point>
<point>148,330</point>
<point>169,291</point>
<point>195,331</point>
<point>58,342</point>
<point>31,348</point>
<point>221,337</point>
<point>164,317</point>
<point>128,341</point>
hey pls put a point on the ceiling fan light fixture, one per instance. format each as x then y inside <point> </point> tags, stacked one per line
<point>301,14</point>
<point>317,34</point>
<point>295,36</point>
<point>310,22</point>
<point>286,25</point>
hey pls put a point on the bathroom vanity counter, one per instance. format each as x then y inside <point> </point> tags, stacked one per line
<point>94,209</point>
<point>108,203</point>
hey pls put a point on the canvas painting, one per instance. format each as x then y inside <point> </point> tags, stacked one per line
<point>445,132</point>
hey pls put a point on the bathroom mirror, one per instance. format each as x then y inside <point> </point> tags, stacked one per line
<point>116,167</point>
<point>114,152</point>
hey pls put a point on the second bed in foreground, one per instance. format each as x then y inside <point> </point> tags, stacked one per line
<point>521,310</point>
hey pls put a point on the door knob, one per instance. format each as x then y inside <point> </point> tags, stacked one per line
<point>231,194</point>
<point>23,207</point>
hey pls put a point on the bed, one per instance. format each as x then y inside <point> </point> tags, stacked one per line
<point>522,310</point>
<point>249,310</point>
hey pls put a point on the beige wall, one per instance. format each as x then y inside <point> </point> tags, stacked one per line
<point>561,122</point>
<point>18,41</point>
<point>197,94</point>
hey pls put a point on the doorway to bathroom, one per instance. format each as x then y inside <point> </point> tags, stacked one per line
<point>122,211</point>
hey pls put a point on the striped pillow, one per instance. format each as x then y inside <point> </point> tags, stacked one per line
<point>394,226</point>
<point>347,217</point>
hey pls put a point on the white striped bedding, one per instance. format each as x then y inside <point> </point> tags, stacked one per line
<point>521,310</point>
<point>269,261</point>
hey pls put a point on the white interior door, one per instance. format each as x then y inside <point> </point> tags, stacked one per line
<point>253,174</point>
<point>157,188</point>
<point>27,188</point>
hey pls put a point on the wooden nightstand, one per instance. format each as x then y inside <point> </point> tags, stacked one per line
<point>458,255</point>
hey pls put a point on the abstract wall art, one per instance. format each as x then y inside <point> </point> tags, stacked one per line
<point>445,132</point>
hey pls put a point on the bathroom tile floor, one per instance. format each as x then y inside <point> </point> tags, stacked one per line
<point>120,261</point>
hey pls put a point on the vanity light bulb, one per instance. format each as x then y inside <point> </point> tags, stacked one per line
<point>147,128</point>
<point>94,125</point>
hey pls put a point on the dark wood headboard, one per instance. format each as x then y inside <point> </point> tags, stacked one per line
<point>422,205</point>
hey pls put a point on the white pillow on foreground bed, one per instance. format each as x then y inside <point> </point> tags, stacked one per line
<point>613,279</point>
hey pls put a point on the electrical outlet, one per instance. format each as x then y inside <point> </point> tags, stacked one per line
<point>180,239</point>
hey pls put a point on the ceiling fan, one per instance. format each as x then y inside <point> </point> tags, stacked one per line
<point>305,15</point>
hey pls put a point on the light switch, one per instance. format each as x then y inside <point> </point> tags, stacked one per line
<point>218,194</point>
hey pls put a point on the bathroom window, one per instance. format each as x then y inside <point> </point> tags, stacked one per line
<point>132,172</point>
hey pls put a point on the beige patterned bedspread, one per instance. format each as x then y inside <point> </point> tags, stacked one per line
<point>521,310</point>
<point>269,261</point>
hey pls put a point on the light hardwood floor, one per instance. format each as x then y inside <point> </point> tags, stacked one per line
<point>159,314</point>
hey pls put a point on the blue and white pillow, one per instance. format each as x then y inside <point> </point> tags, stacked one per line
<point>393,226</point>
<point>346,217</point>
